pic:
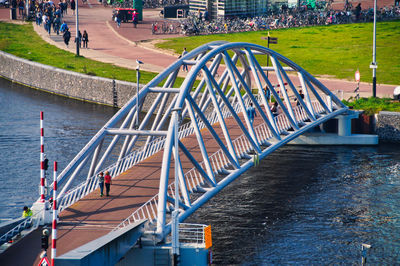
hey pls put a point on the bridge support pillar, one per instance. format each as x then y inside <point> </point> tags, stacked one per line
<point>344,123</point>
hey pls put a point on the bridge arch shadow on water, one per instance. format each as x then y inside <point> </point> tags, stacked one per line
<point>207,117</point>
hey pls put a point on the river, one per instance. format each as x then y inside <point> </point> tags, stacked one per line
<point>302,205</point>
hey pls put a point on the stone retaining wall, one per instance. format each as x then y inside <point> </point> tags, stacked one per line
<point>388,126</point>
<point>116,93</point>
<point>67,83</point>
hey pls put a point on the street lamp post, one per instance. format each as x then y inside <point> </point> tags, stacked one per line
<point>137,90</point>
<point>77,29</point>
<point>373,64</point>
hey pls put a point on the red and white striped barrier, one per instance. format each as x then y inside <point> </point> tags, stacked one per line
<point>42,199</point>
<point>54,228</point>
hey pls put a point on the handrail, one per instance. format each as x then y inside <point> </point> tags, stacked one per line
<point>219,162</point>
<point>30,222</point>
<point>191,233</point>
<point>194,179</point>
<point>89,185</point>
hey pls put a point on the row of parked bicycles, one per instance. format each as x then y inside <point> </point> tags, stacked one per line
<point>146,3</point>
<point>195,25</point>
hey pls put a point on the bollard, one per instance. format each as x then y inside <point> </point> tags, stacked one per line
<point>54,226</point>
<point>364,248</point>
<point>42,163</point>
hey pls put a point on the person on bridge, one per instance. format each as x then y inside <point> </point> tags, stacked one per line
<point>275,109</point>
<point>267,93</point>
<point>27,212</point>
<point>251,112</point>
<point>301,96</point>
<point>101,183</point>
<point>107,181</point>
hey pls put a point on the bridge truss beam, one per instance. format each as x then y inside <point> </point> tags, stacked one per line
<point>213,98</point>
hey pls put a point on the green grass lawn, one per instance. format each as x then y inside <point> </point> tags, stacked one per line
<point>335,51</point>
<point>22,41</point>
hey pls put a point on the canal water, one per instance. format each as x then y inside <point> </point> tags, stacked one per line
<point>302,205</point>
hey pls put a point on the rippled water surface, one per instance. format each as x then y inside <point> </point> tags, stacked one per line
<point>310,205</point>
<point>302,205</point>
<point>69,125</point>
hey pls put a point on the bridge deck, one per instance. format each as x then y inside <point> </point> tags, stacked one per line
<point>94,216</point>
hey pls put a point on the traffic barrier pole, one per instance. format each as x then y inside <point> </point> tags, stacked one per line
<point>54,227</point>
<point>42,199</point>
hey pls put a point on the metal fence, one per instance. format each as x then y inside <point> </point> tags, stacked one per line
<point>219,161</point>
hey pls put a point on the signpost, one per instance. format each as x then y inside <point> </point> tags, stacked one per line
<point>357,77</point>
<point>373,64</point>
<point>44,262</point>
<point>271,40</point>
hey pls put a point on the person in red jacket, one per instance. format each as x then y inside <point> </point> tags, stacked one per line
<point>107,182</point>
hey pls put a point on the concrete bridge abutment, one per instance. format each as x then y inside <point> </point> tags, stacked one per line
<point>342,136</point>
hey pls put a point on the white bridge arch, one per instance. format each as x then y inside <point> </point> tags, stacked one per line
<point>211,98</point>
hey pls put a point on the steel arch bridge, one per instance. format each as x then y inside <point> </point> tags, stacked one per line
<point>210,103</point>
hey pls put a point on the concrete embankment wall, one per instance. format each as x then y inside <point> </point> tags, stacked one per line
<point>66,83</point>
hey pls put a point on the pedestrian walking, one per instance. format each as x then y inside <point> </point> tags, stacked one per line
<point>184,66</point>
<point>301,96</point>
<point>73,6</point>
<point>118,18</point>
<point>85,39</point>
<point>66,36</point>
<point>107,182</point>
<point>275,109</point>
<point>21,8</point>
<point>48,25</point>
<point>63,27</point>
<point>267,93</point>
<point>100,180</point>
<point>79,38</point>
<point>135,18</point>
<point>251,112</point>
<point>57,24</point>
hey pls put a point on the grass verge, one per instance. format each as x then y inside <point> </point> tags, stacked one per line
<point>22,41</point>
<point>374,105</point>
<point>335,51</point>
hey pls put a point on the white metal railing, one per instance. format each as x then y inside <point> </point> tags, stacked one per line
<point>193,178</point>
<point>132,159</point>
<point>219,162</point>
<point>31,222</point>
<point>191,233</point>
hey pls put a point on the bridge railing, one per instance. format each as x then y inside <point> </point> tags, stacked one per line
<point>194,179</point>
<point>132,159</point>
<point>219,162</point>
<point>192,233</point>
<point>31,222</point>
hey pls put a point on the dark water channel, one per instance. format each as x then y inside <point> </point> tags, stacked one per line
<point>302,205</point>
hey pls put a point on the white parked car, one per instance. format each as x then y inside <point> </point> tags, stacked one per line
<point>5,3</point>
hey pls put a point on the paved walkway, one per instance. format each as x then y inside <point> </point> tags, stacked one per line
<point>122,46</point>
